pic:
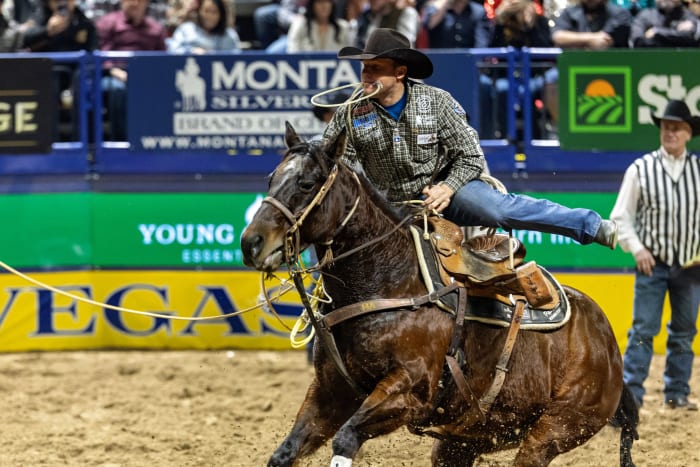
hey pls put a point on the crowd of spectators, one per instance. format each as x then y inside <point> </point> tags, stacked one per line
<point>288,26</point>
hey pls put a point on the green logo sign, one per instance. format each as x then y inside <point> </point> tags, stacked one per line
<point>600,99</point>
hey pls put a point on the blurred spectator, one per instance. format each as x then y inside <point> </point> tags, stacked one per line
<point>273,21</point>
<point>518,24</point>
<point>670,24</point>
<point>634,6</point>
<point>318,30</point>
<point>208,32</point>
<point>393,14</point>
<point>179,12</point>
<point>19,13</point>
<point>553,8</point>
<point>60,26</point>
<point>128,29</point>
<point>456,24</point>
<point>592,25</point>
<point>492,5</point>
<point>96,9</point>
<point>350,10</point>
<point>694,7</point>
<point>463,24</point>
<point>10,34</point>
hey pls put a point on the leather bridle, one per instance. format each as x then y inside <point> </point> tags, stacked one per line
<point>292,249</point>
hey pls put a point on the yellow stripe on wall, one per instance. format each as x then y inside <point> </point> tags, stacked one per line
<point>32,318</point>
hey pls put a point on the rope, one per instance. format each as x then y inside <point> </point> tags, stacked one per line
<point>350,100</point>
<point>284,288</point>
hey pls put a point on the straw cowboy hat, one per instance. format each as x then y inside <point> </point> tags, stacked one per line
<point>388,43</point>
<point>678,111</point>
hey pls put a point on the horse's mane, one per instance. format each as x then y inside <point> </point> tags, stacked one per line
<point>395,212</point>
<point>319,153</point>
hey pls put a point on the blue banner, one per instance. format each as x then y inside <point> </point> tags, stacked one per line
<point>239,103</point>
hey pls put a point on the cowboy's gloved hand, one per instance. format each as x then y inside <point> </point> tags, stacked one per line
<point>437,197</point>
<point>645,261</point>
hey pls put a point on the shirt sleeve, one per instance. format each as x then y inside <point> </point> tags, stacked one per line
<point>178,42</point>
<point>296,34</point>
<point>624,212</point>
<point>459,142</point>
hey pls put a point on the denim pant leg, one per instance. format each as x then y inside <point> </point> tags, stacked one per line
<point>265,24</point>
<point>649,293</point>
<point>684,296</point>
<point>476,203</point>
<point>115,90</point>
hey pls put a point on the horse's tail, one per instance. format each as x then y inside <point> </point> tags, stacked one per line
<point>627,418</point>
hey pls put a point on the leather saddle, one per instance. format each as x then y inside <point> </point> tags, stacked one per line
<point>490,266</point>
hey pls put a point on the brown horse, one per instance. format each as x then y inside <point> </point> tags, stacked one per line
<point>561,388</point>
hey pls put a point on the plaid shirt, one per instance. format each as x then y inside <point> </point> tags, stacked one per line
<point>400,157</point>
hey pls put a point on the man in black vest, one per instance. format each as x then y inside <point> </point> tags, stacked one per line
<point>658,215</point>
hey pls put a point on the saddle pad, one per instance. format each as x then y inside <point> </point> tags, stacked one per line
<point>487,310</point>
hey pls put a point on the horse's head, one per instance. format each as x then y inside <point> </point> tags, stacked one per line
<point>297,189</point>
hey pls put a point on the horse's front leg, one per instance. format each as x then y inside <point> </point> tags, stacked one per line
<point>316,422</point>
<point>390,406</point>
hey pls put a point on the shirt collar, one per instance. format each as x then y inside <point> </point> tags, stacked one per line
<point>666,156</point>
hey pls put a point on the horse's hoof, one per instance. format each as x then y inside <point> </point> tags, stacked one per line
<point>340,461</point>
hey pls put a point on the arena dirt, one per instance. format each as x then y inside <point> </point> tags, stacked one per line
<point>221,408</point>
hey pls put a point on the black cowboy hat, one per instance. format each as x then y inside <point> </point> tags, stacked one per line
<point>678,111</point>
<point>388,43</point>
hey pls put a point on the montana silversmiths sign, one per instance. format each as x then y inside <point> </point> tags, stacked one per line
<point>239,103</point>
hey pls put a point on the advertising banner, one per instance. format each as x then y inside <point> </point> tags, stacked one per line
<point>189,230</point>
<point>34,318</point>
<point>27,106</point>
<point>607,98</point>
<point>46,230</point>
<point>239,103</point>
<point>195,230</point>
<point>203,230</point>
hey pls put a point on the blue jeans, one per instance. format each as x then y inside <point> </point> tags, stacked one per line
<point>265,22</point>
<point>115,91</point>
<point>649,293</point>
<point>476,203</point>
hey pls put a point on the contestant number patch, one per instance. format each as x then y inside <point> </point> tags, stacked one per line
<point>429,138</point>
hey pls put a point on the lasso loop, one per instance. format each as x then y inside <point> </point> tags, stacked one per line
<point>283,289</point>
<point>300,326</point>
<point>357,86</point>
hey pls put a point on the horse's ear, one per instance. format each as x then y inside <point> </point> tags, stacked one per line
<point>337,146</point>
<point>290,136</point>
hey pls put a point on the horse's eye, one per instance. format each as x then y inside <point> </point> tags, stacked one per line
<point>306,185</point>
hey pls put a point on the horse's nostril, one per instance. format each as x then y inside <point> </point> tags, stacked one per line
<point>251,245</point>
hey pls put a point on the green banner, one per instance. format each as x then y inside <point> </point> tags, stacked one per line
<point>170,229</point>
<point>607,98</point>
<point>203,230</point>
<point>46,230</point>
